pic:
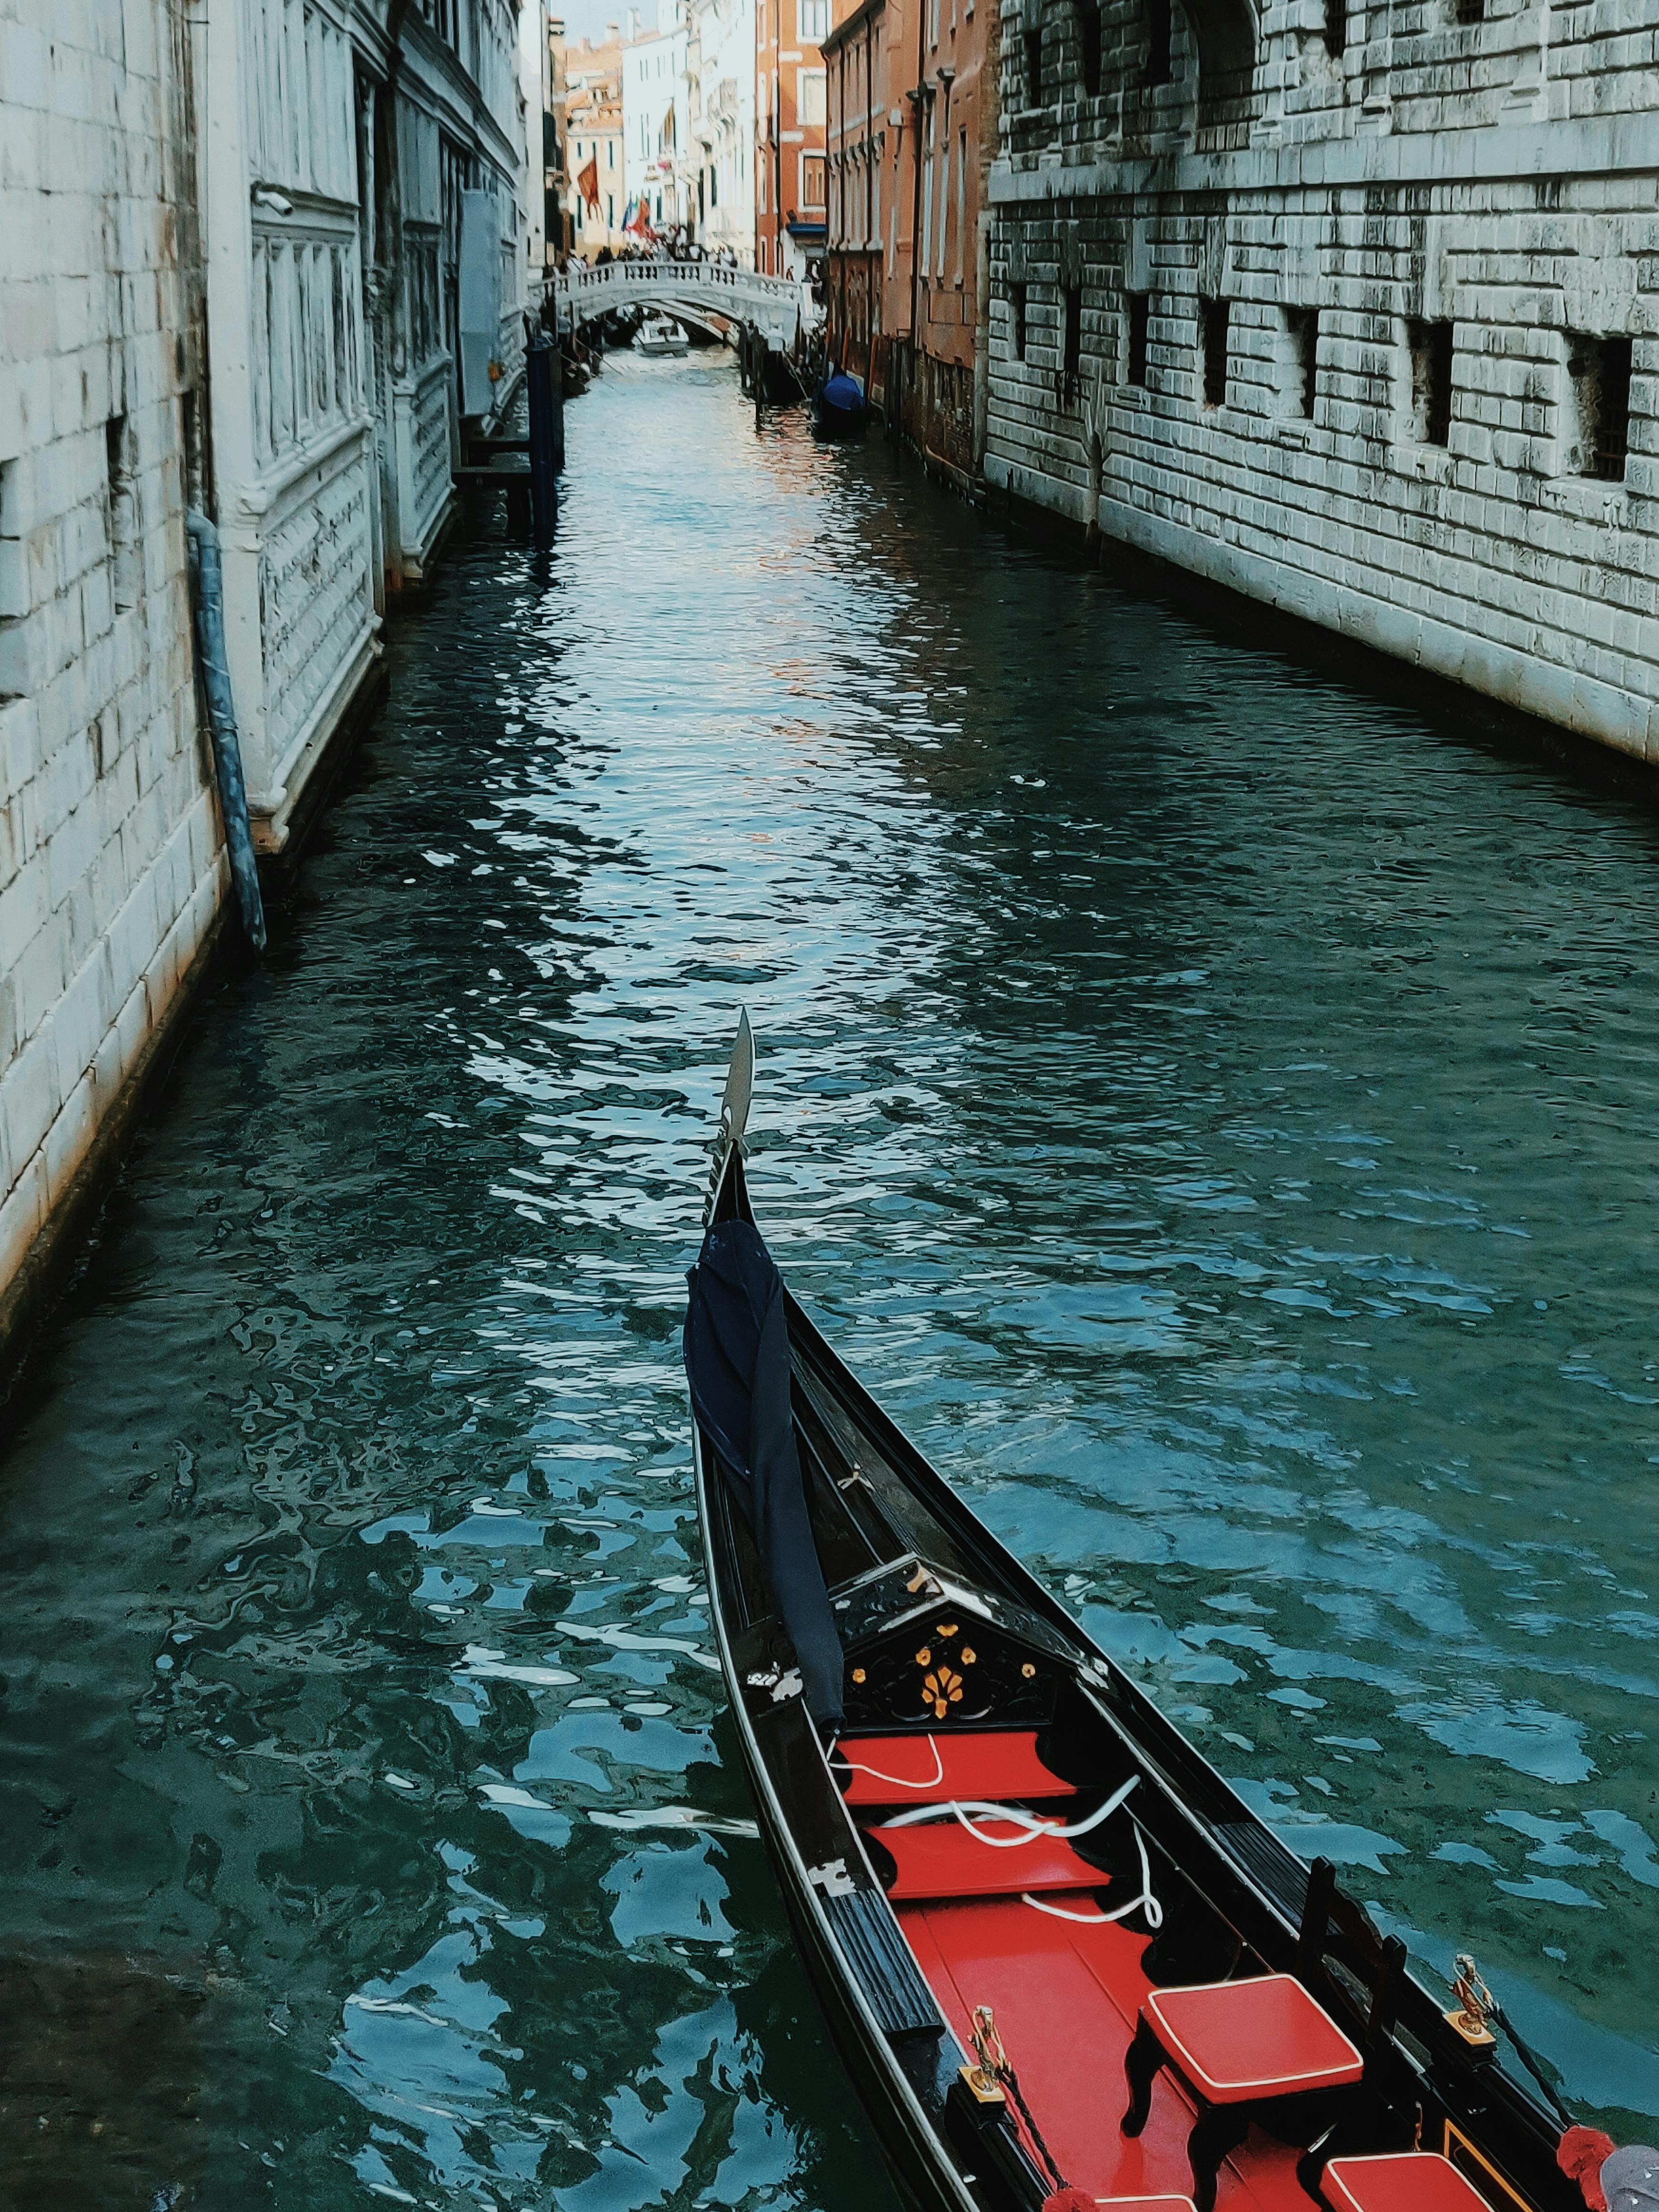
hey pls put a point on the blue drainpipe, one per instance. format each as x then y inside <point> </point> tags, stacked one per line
<point>207,597</point>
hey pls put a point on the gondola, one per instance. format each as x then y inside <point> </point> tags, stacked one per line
<point>838,407</point>
<point>1064,1963</point>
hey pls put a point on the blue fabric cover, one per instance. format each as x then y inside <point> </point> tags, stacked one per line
<point>842,391</point>
<point>736,1361</point>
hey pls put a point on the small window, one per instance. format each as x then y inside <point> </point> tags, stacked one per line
<point>1139,306</point>
<point>1336,25</point>
<point>1469,11</point>
<point>1597,426</point>
<point>1071,308</point>
<point>1214,317</point>
<point>1016,320</point>
<point>1159,66</point>
<point>812,21</point>
<point>13,587</point>
<point>1033,68</point>
<point>123,531</point>
<point>812,97</point>
<point>1430,346</point>
<point>811,181</point>
<point>1301,380</point>
<point>1088,36</point>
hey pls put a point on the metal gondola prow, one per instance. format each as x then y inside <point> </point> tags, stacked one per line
<point>734,1106</point>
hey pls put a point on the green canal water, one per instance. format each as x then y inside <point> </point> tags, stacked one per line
<point>1217,1112</point>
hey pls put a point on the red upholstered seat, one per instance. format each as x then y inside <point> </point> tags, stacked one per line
<point>917,1769</point>
<point>941,1859</point>
<point>1147,2203</point>
<point>1238,2040</point>
<point>1408,2181</point>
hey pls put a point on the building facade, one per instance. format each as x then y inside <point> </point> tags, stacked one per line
<point>595,159</point>
<point>654,130</point>
<point>1349,308</point>
<point>259,258</point>
<point>912,137</point>
<point>720,70</point>
<point>791,201</point>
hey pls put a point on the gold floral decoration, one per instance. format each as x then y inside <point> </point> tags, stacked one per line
<point>941,1689</point>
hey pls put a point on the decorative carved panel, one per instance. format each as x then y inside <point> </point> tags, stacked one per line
<point>948,1668</point>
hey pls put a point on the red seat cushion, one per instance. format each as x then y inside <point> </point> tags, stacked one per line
<point>1264,2038</point>
<point>1409,2181</point>
<point>1148,2203</point>
<point>914,1770</point>
<point>941,1859</point>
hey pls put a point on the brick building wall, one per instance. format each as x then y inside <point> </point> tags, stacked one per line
<point>912,104</point>
<point>1360,321</point>
<point>111,865</point>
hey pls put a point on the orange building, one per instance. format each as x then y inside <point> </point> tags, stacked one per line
<point>789,120</point>
<point>911,111</point>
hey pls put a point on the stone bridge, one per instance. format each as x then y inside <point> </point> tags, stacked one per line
<point>701,292</point>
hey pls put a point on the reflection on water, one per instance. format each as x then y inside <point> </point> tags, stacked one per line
<point>1216,1111</point>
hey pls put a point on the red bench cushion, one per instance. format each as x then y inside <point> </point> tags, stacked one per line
<point>941,1859</point>
<point>923,1770</point>
<point>1409,2181</point>
<point>1264,2038</point>
<point>1148,2203</point>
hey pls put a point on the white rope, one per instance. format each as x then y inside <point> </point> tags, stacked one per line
<point>1154,1910</point>
<point>899,1780</point>
<point>1033,1825</point>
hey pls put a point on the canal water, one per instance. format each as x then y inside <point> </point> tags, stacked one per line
<point>1218,1113</point>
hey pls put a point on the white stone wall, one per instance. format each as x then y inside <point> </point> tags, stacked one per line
<point>187,184</point>
<point>110,866</point>
<point>1474,175</point>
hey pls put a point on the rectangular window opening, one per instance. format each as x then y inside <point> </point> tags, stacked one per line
<point>1598,412</point>
<point>1431,346</point>
<point>1017,310</point>
<point>1469,11</point>
<point>1302,329</point>
<point>1140,315</point>
<point>1214,316</point>
<point>1088,32</point>
<point>1033,68</point>
<point>13,582</point>
<point>1158,32</point>
<point>123,530</point>
<point>1336,27</point>
<point>1071,307</point>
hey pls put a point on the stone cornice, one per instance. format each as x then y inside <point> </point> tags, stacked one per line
<point>1596,146</point>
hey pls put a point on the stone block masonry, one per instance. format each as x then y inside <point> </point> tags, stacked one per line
<point>111,867</point>
<point>1366,327</point>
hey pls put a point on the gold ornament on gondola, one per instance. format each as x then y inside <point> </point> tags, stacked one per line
<point>940,1691</point>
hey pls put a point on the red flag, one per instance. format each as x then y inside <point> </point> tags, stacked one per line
<point>587,183</point>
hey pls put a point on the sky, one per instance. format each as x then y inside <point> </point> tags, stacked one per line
<point>586,19</point>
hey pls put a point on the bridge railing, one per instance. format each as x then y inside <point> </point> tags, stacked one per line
<point>777,304</point>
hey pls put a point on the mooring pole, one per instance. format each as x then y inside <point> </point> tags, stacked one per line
<point>546,436</point>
